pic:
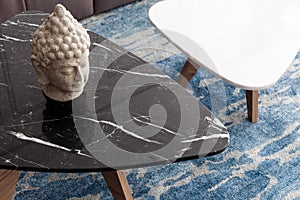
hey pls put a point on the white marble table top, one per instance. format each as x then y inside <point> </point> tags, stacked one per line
<point>249,43</point>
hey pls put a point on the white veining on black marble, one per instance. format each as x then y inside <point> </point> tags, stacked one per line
<point>17,157</point>
<point>26,23</point>
<point>8,161</point>
<point>215,136</point>
<point>34,87</point>
<point>145,74</point>
<point>37,140</point>
<point>120,127</point>
<point>132,72</point>
<point>14,39</point>
<point>3,84</point>
<point>182,151</point>
<point>31,162</point>
<point>102,46</point>
<point>156,126</point>
<point>160,157</point>
<point>10,22</point>
<point>218,128</point>
<point>215,123</point>
<point>79,152</point>
<point>3,39</point>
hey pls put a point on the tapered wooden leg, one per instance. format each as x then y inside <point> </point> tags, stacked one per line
<point>252,105</point>
<point>187,73</point>
<point>117,183</point>
<point>8,182</point>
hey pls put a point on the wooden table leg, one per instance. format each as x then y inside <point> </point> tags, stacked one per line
<point>252,105</point>
<point>189,70</point>
<point>117,183</point>
<point>187,73</point>
<point>8,182</point>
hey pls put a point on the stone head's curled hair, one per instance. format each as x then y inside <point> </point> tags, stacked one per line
<point>60,37</point>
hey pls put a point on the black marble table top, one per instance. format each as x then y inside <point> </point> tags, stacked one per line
<point>129,115</point>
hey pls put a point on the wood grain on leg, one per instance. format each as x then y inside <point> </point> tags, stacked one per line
<point>252,105</point>
<point>187,73</point>
<point>8,181</point>
<point>117,183</point>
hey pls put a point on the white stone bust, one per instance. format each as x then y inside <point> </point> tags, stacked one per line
<point>60,49</point>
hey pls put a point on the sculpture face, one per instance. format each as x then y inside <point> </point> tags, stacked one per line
<point>70,76</point>
<point>60,49</point>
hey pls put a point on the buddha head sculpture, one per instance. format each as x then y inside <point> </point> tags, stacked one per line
<point>60,49</point>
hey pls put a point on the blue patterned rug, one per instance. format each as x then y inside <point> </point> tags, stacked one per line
<point>262,161</point>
